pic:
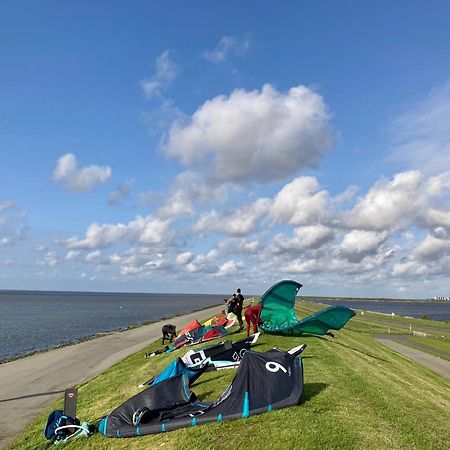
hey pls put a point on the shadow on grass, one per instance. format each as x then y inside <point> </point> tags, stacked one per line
<point>206,396</point>
<point>310,390</point>
<point>359,351</point>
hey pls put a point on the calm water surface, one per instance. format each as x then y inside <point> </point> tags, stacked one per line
<point>31,321</point>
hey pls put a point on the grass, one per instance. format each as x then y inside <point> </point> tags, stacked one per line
<point>358,394</point>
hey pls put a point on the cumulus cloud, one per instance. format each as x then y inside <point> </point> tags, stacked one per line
<point>239,222</point>
<point>432,248</point>
<point>403,201</point>
<point>228,268</point>
<point>71,255</point>
<point>307,237</point>
<point>300,202</point>
<point>189,190</point>
<point>191,263</point>
<point>79,179</point>
<point>228,45</point>
<point>50,259</point>
<point>184,258</point>
<point>146,230</point>
<point>358,244</point>
<point>250,136</point>
<point>165,72</point>
<point>93,255</point>
<point>421,134</point>
<point>122,192</point>
<point>136,261</point>
<point>430,257</point>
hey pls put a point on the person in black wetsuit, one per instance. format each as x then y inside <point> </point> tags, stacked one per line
<point>169,332</point>
<point>239,304</point>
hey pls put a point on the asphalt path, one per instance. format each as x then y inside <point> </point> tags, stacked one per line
<point>434,363</point>
<point>29,385</point>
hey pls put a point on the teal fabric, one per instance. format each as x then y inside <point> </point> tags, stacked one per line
<point>278,315</point>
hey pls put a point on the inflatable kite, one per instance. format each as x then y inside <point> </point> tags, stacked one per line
<point>263,382</point>
<point>224,355</point>
<point>179,367</point>
<point>278,315</point>
<point>195,332</point>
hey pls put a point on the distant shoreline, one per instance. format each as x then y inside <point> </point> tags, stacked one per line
<point>372,299</point>
<point>306,297</point>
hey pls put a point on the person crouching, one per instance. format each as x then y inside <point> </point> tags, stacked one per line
<point>252,315</point>
<point>169,332</point>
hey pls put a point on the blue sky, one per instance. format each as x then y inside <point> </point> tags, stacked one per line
<point>185,147</point>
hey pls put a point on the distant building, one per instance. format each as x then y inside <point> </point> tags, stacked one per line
<point>441,298</point>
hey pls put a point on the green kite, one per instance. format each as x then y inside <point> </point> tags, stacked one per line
<point>278,315</point>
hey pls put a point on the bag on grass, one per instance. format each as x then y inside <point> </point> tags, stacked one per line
<point>59,426</point>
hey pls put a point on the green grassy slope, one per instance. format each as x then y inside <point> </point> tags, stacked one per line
<point>358,394</point>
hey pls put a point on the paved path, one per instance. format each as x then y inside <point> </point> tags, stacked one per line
<point>29,385</point>
<point>404,339</point>
<point>438,365</point>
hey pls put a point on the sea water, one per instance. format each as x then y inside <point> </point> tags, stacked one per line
<point>36,320</point>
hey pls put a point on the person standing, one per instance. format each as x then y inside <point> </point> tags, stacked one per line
<point>238,308</point>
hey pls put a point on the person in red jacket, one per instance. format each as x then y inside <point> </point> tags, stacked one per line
<point>252,315</point>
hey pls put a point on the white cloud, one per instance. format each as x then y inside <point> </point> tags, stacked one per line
<point>432,248</point>
<point>253,136</point>
<point>228,45</point>
<point>184,258</point>
<point>228,268</point>
<point>71,255</point>
<point>252,246</point>
<point>308,237</point>
<point>136,262</point>
<point>79,179</point>
<point>357,244</point>
<point>422,135</point>
<point>122,192</point>
<point>239,222</point>
<point>50,259</point>
<point>187,190</point>
<point>93,255</point>
<point>401,202</point>
<point>166,72</point>
<point>200,263</point>
<point>147,230</point>
<point>300,202</point>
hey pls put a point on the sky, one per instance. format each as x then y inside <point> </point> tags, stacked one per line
<point>203,146</point>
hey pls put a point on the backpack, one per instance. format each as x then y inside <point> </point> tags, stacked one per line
<point>57,419</point>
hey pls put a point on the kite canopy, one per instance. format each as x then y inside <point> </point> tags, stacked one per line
<point>227,351</point>
<point>263,381</point>
<point>178,367</point>
<point>195,332</point>
<point>278,315</point>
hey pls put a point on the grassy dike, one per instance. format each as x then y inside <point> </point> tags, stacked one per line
<point>358,394</point>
